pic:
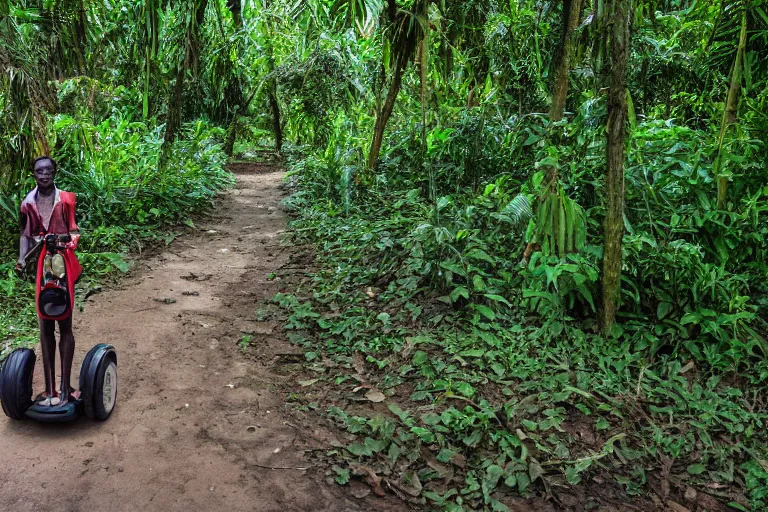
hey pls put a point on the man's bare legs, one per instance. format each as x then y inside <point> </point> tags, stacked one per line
<point>66,353</point>
<point>48,345</point>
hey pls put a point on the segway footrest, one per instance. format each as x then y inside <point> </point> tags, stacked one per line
<point>55,413</point>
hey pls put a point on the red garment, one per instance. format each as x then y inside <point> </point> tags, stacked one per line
<point>62,218</point>
<point>62,222</point>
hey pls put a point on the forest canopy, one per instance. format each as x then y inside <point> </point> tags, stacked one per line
<point>541,224</point>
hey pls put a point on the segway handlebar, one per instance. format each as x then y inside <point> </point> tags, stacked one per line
<point>53,243</point>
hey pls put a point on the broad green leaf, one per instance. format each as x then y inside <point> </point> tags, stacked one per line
<point>485,311</point>
<point>419,358</point>
<point>464,388</point>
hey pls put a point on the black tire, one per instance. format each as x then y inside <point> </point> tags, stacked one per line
<point>16,383</point>
<point>98,378</point>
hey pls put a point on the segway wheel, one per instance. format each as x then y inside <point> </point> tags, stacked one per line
<point>16,383</point>
<point>98,382</point>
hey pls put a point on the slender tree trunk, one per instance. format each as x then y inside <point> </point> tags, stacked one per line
<point>730,112</point>
<point>644,84</point>
<point>274,107</point>
<point>618,32</point>
<point>233,92</point>
<point>571,13</point>
<point>173,119</point>
<point>383,115</point>
<point>274,104</point>
<point>447,42</point>
<point>385,112</point>
<point>80,24</point>
<point>151,35</point>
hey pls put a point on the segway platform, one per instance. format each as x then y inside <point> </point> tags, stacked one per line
<point>55,413</point>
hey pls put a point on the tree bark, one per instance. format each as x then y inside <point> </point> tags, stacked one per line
<point>730,112</point>
<point>233,92</point>
<point>149,40</point>
<point>274,105</point>
<point>383,115</point>
<point>401,59</point>
<point>571,13</point>
<point>80,27</point>
<point>173,118</point>
<point>618,33</point>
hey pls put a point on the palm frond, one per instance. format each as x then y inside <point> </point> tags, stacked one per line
<point>519,209</point>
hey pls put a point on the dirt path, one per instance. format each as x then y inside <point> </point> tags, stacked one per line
<point>196,424</point>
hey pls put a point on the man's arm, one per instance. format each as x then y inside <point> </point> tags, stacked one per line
<point>23,249</point>
<point>23,240</point>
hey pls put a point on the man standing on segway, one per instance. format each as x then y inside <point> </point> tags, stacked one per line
<point>48,213</point>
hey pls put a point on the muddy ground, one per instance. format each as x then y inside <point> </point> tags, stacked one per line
<point>199,425</point>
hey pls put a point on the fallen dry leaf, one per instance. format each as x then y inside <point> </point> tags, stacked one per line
<point>411,484</point>
<point>370,477</point>
<point>459,460</point>
<point>306,383</point>
<point>358,364</point>
<point>676,507</point>
<point>374,395</point>
<point>444,470</point>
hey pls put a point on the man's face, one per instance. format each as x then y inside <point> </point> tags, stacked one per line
<point>44,173</point>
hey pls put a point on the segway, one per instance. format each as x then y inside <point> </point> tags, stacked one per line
<point>98,373</point>
<point>98,387</point>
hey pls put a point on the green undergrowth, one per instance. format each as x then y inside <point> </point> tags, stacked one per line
<point>485,394</point>
<point>127,202</point>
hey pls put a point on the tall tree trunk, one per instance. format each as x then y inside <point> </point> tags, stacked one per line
<point>447,42</point>
<point>274,105</point>
<point>80,25</point>
<point>233,92</point>
<point>618,33</point>
<point>730,112</point>
<point>173,119</point>
<point>644,83</point>
<point>383,115</point>
<point>399,63</point>
<point>150,39</point>
<point>571,13</point>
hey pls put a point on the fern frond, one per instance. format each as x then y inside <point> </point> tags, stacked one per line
<point>519,209</point>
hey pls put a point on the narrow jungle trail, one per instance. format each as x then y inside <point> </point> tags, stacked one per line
<point>198,426</point>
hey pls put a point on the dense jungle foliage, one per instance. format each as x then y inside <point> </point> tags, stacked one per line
<point>539,226</point>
